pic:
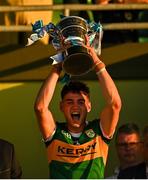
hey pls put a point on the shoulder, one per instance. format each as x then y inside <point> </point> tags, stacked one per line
<point>5,144</point>
<point>114,175</point>
<point>6,151</point>
<point>95,125</point>
<point>57,134</point>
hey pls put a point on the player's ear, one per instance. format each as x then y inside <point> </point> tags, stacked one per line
<point>89,107</point>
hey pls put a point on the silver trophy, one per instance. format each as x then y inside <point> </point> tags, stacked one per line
<point>69,40</point>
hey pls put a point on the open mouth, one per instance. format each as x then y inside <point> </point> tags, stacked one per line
<point>75,116</point>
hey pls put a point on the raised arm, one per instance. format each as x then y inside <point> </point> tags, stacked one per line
<point>45,119</point>
<point>110,114</point>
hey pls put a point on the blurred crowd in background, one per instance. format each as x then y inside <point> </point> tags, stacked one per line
<point>107,16</point>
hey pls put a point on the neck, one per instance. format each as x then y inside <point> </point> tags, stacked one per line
<point>77,135</point>
<point>76,129</point>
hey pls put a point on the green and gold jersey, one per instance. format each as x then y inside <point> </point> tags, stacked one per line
<point>85,160</point>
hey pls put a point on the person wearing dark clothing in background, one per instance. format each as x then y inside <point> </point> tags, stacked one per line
<point>129,150</point>
<point>145,147</point>
<point>117,16</point>
<point>9,166</point>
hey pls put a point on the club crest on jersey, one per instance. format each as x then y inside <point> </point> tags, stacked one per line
<point>66,134</point>
<point>90,133</point>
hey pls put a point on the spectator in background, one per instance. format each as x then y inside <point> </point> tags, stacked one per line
<point>116,16</point>
<point>129,150</point>
<point>7,38</point>
<point>141,16</point>
<point>145,145</point>
<point>29,17</point>
<point>9,166</point>
<point>143,33</point>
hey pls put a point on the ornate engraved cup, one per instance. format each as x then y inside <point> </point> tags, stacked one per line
<point>77,61</point>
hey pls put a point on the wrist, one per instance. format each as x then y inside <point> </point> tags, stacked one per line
<point>99,67</point>
<point>57,68</point>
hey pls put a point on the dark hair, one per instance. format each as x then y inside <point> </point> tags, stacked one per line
<point>75,87</point>
<point>128,128</point>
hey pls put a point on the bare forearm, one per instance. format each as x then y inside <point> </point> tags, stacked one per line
<point>46,92</point>
<point>107,85</point>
